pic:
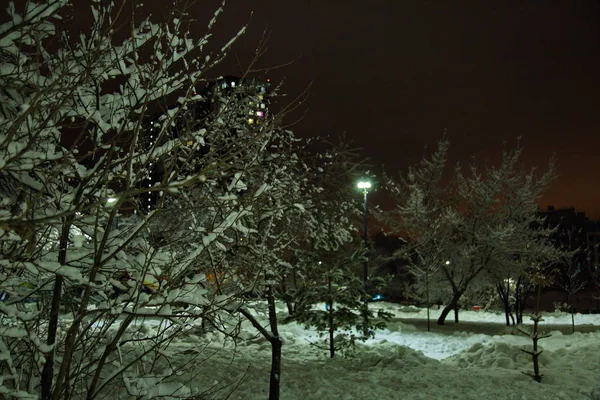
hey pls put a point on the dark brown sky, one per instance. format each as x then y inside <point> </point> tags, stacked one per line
<point>393,74</point>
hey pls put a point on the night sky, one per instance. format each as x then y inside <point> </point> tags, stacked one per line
<point>394,74</point>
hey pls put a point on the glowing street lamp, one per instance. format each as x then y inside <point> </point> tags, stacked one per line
<point>365,185</point>
<point>110,203</point>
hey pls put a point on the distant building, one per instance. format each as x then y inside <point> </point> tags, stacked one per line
<point>575,230</point>
<point>240,102</point>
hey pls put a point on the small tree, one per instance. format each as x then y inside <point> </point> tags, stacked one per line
<point>541,277</point>
<point>331,255</point>
<point>569,273</point>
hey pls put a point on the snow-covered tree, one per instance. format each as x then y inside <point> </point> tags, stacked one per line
<point>79,136</point>
<point>487,219</point>
<point>424,216</point>
<point>569,274</point>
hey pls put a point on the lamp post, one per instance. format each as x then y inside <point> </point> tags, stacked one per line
<point>365,186</point>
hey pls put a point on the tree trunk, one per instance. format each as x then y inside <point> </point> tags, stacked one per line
<point>504,297</point>
<point>331,332</point>
<point>101,363</point>
<point>331,319</point>
<point>453,305</point>
<point>274,382</point>
<point>442,318</point>
<point>288,298</point>
<point>273,337</point>
<point>572,313</point>
<point>456,313</point>
<point>427,299</point>
<point>521,292</point>
<point>291,306</point>
<point>275,376</point>
<point>48,370</point>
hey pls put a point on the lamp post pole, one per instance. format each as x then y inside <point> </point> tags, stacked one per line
<point>366,236</point>
<point>365,186</point>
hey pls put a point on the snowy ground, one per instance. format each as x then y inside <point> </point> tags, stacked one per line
<point>477,359</point>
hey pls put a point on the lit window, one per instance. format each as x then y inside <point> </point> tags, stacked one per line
<point>260,114</point>
<point>250,121</point>
<point>260,96</point>
<point>262,105</point>
<point>232,84</point>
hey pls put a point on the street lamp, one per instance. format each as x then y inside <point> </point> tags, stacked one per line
<point>365,186</point>
<point>111,202</point>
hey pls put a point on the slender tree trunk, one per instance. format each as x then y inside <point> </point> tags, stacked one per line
<point>288,299</point>
<point>48,370</point>
<point>427,299</point>
<point>331,332</point>
<point>521,293</point>
<point>442,318</point>
<point>273,337</point>
<point>275,376</point>
<point>504,297</point>
<point>274,382</point>
<point>453,305</point>
<point>572,313</point>
<point>456,313</point>
<point>101,363</point>
<point>331,321</point>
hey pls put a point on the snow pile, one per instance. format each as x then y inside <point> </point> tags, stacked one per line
<point>386,355</point>
<point>496,355</point>
<point>401,362</point>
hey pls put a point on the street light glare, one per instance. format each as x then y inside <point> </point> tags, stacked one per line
<point>364,185</point>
